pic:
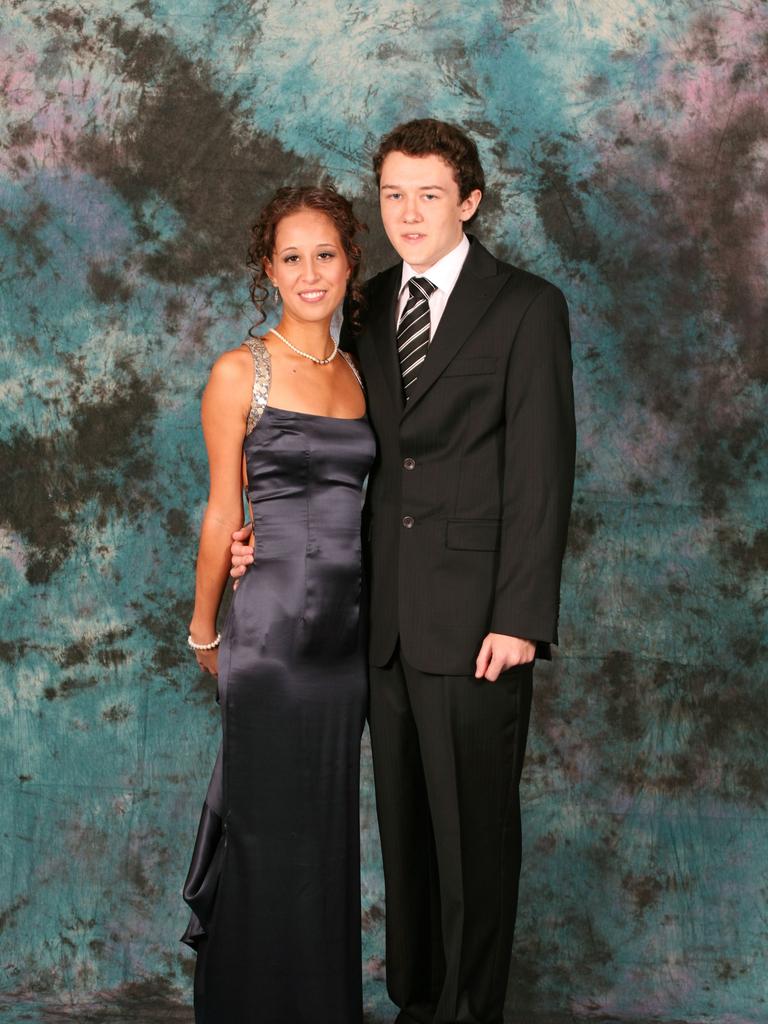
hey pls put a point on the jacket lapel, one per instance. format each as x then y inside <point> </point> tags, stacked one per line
<point>477,286</point>
<point>381,331</point>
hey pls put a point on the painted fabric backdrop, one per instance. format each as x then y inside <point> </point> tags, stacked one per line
<point>626,145</point>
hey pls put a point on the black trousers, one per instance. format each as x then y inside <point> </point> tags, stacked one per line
<point>447,755</point>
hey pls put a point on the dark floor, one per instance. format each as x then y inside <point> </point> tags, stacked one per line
<point>158,1012</point>
<point>14,1011</point>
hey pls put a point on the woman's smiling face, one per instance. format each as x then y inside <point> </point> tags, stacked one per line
<point>309,266</point>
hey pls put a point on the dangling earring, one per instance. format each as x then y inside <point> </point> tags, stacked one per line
<point>277,296</point>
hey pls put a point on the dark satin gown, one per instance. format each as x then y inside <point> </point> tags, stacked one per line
<point>274,884</point>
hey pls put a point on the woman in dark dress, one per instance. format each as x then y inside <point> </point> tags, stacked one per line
<point>274,884</point>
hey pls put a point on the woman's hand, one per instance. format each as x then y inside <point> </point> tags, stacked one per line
<point>208,661</point>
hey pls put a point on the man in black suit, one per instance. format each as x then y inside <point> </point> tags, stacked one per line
<point>468,373</point>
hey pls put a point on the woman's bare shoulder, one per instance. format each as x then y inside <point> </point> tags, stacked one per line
<point>231,365</point>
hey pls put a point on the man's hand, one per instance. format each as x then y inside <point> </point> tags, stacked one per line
<point>242,552</point>
<point>499,652</point>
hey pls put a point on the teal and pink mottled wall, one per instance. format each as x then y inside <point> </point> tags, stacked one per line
<point>626,145</point>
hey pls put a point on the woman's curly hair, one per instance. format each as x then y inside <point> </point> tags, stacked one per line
<point>290,199</point>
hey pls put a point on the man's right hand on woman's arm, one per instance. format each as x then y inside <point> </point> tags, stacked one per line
<point>242,551</point>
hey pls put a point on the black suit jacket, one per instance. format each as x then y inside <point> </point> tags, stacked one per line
<point>469,498</point>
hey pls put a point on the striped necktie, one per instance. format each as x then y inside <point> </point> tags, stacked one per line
<point>413,331</point>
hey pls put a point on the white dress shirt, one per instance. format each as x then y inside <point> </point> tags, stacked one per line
<point>443,275</point>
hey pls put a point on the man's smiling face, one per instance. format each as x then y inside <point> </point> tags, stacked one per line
<point>421,209</point>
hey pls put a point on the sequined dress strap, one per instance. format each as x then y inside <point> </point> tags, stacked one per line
<point>262,375</point>
<point>348,359</point>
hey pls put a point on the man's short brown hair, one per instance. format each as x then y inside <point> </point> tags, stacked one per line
<point>427,137</point>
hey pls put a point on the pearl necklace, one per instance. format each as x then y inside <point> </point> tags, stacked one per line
<point>307,355</point>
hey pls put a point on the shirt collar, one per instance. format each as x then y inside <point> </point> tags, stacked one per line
<point>442,274</point>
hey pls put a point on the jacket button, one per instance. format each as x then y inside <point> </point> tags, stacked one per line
<point>409,463</point>
<point>408,522</point>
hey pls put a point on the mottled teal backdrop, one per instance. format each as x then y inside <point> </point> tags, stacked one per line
<point>626,145</point>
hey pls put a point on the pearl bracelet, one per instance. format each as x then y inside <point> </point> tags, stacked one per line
<point>204,647</point>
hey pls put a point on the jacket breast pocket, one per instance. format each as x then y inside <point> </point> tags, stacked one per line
<point>470,366</point>
<point>473,534</point>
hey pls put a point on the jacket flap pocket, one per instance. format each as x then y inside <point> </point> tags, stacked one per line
<point>463,367</point>
<point>473,534</point>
